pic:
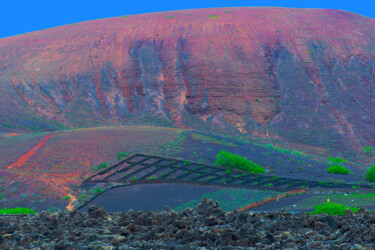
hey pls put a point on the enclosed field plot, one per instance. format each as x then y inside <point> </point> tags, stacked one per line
<point>349,200</point>
<point>230,199</point>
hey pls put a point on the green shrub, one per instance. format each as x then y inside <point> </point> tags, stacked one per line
<point>170,17</point>
<point>18,210</point>
<point>122,155</point>
<point>332,208</point>
<point>337,169</point>
<point>229,160</point>
<point>370,176</point>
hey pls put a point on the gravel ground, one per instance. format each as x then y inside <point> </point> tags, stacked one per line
<point>204,227</point>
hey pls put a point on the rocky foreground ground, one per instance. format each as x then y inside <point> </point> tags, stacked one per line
<point>204,227</point>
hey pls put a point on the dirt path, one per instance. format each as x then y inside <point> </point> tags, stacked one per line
<point>29,154</point>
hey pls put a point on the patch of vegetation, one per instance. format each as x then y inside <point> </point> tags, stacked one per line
<point>134,178</point>
<point>102,165</point>
<point>170,17</point>
<point>2,197</point>
<point>232,161</point>
<point>18,210</point>
<point>332,209</point>
<point>122,16</point>
<point>190,15</point>
<point>74,24</point>
<point>370,176</point>
<point>121,155</point>
<point>226,12</point>
<point>66,198</point>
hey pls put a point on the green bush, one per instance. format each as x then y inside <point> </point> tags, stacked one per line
<point>18,210</point>
<point>332,208</point>
<point>370,176</point>
<point>337,169</point>
<point>232,161</point>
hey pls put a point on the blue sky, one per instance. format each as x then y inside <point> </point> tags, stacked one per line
<point>17,17</point>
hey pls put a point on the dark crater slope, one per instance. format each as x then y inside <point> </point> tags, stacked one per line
<point>302,78</point>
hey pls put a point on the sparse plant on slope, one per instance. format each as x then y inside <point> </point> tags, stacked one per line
<point>370,176</point>
<point>232,161</point>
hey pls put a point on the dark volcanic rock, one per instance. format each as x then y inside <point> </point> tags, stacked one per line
<point>305,76</point>
<point>191,229</point>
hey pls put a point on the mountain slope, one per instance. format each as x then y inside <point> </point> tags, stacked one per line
<point>303,78</point>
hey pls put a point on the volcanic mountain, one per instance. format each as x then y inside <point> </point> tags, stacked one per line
<point>301,78</point>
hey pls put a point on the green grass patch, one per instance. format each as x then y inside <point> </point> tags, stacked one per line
<point>170,17</point>
<point>332,209</point>
<point>233,161</point>
<point>18,210</point>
